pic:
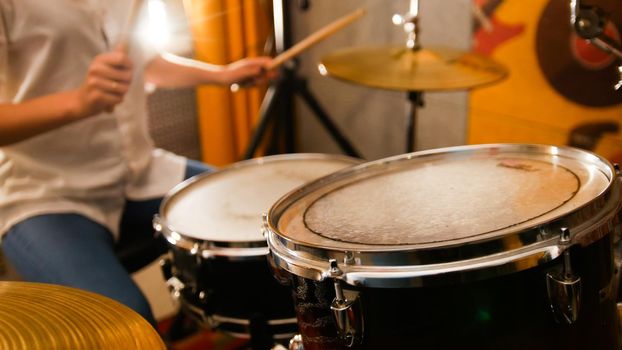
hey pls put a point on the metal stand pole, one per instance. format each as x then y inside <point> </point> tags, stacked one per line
<point>416,101</point>
<point>277,106</point>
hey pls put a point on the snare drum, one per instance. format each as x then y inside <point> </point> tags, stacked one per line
<point>217,264</point>
<point>476,247</point>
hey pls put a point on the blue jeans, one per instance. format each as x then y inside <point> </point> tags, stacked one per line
<point>72,250</point>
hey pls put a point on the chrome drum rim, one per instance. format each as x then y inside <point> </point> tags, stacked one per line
<point>418,265</point>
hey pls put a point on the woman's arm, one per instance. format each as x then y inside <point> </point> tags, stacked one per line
<point>106,82</point>
<point>173,71</point>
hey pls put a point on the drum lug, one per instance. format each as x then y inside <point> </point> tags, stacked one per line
<point>564,289</point>
<point>346,309</point>
<point>157,224</point>
<point>296,343</point>
<point>175,286</point>
<point>264,225</point>
<point>195,249</point>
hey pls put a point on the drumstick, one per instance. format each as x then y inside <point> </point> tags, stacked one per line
<point>303,45</point>
<point>123,44</point>
<point>315,38</point>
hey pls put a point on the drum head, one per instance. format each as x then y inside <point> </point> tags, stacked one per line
<point>226,206</point>
<point>440,198</point>
<point>449,199</point>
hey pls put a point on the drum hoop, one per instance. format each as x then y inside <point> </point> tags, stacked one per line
<point>223,323</point>
<point>279,336</point>
<point>209,249</point>
<point>234,249</point>
<point>246,322</point>
<point>427,264</point>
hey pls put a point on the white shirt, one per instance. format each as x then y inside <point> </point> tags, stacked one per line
<point>91,166</point>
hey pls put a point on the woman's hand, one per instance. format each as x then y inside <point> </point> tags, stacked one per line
<point>248,71</point>
<point>106,83</point>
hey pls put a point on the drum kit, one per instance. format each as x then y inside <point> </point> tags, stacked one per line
<point>473,247</point>
<point>513,246</point>
<point>470,247</point>
<point>493,246</point>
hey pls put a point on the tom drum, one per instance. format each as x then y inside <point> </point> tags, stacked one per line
<point>217,264</point>
<point>505,246</point>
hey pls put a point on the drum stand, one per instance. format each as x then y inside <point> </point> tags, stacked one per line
<point>281,94</point>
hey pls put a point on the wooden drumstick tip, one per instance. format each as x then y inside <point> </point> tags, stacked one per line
<point>123,45</point>
<point>360,12</point>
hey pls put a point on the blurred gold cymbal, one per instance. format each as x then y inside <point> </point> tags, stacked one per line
<point>44,316</point>
<point>399,68</point>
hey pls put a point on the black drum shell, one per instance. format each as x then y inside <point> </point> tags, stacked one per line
<point>221,272</point>
<point>242,289</point>
<point>505,312</point>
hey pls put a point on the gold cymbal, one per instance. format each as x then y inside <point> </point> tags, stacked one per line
<point>399,68</point>
<point>45,316</point>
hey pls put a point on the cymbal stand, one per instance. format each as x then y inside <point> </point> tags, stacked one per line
<point>277,106</point>
<point>416,101</point>
<point>410,22</point>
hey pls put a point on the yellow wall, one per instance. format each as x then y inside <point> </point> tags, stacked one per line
<point>524,107</point>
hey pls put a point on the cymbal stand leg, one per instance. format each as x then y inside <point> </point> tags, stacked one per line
<point>286,110</point>
<point>416,101</point>
<point>265,113</point>
<point>277,106</point>
<point>322,116</point>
